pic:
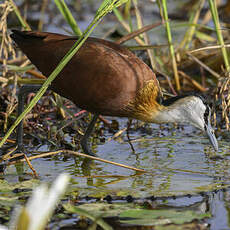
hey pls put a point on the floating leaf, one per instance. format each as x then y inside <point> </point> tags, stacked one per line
<point>91,215</point>
<point>159,217</point>
<point>105,209</point>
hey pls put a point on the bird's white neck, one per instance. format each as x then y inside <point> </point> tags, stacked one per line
<point>170,114</point>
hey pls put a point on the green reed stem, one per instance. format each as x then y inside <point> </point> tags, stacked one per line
<point>63,8</point>
<point>20,18</point>
<point>213,8</point>
<point>192,21</point>
<point>171,47</point>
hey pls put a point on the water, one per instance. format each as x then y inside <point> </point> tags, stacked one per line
<point>178,163</point>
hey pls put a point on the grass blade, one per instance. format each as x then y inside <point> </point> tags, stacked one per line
<point>213,8</point>
<point>18,14</point>
<point>171,47</point>
<point>192,21</point>
<point>68,16</point>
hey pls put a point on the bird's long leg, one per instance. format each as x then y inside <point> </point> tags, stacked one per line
<point>89,130</point>
<point>127,134</point>
<point>23,92</point>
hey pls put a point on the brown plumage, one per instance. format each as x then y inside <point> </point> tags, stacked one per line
<point>106,78</point>
<point>103,77</point>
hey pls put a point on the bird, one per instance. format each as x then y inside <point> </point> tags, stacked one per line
<point>107,79</point>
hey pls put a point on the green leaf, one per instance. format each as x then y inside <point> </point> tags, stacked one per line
<point>159,217</point>
<point>90,215</point>
<point>107,210</point>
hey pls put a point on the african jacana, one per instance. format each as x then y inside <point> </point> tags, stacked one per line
<point>106,78</point>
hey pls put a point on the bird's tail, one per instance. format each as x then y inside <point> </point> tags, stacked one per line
<point>25,36</point>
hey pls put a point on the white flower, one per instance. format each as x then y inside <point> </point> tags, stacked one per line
<point>3,227</point>
<point>40,207</point>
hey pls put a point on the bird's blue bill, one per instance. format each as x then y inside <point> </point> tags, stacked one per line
<point>211,136</point>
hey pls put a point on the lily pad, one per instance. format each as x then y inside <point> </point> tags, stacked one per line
<point>159,217</point>
<point>133,214</point>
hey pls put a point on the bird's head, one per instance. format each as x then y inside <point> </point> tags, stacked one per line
<point>192,110</point>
